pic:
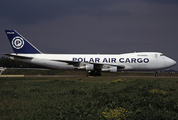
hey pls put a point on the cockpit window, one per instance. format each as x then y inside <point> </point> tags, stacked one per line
<point>161,55</point>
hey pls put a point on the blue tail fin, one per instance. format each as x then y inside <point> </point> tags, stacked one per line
<point>20,44</point>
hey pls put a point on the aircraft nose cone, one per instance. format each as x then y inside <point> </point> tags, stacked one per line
<point>170,62</point>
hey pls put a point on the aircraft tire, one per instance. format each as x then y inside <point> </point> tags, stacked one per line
<point>94,73</point>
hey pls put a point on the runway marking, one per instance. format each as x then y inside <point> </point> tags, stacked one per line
<point>55,76</point>
<point>11,75</point>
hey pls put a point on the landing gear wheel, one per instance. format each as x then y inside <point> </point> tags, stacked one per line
<point>97,73</point>
<point>94,73</point>
<point>90,73</point>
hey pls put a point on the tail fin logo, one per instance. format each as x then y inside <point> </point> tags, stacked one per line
<point>17,42</point>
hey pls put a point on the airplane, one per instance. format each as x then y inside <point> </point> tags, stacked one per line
<point>94,64</point>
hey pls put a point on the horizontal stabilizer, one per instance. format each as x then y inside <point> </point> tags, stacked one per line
<point>16,56</point>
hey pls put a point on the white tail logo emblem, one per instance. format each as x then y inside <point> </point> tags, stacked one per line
<point>17,42</point>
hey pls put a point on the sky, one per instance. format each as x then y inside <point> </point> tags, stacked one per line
<point>93,26</point>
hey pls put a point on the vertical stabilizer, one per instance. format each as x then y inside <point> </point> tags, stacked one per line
<point>20,44</point>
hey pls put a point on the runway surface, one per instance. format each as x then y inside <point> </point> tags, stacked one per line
<point>43,76</point>
<point>83,76</point>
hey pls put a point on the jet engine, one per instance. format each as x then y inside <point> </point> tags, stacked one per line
<point>113,69</point>
<point>89,67</point>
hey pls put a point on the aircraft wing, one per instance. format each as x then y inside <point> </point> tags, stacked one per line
<point>20,57</point>
<point>69,62</point>
<point>98,65</point>
<point>119,66</point>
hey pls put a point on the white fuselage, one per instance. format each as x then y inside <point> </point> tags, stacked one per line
<point>141,61</point>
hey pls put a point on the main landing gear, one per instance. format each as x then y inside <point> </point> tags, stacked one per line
<point>93,73</point>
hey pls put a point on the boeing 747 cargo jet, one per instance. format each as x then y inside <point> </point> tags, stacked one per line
<point>93,63</point>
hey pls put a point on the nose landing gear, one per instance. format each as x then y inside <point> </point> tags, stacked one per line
<point>156,74</point>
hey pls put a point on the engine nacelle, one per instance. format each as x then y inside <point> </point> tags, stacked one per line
<point>89,67</point>
<point>113,69</point>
